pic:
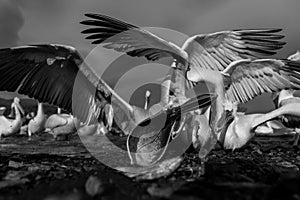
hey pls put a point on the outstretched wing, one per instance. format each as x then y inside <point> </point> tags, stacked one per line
<point>216,51</point>
<point>130,39</point>
<point>52,74</point>
<point>246,79</point>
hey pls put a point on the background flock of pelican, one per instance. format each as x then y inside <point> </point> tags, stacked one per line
<point>231,63</point>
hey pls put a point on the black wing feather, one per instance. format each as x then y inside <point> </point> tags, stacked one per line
<point>61,83</point>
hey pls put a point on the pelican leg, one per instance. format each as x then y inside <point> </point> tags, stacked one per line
<point>103,130</point>
<point>24,130</point>
<point>29,133</point>
<point>203,152</point>
<point>297,135</point>
<point>201,168</point>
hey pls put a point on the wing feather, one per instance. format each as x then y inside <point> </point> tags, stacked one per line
<point>249,79</point>
<point>228,46</point>
<point>130,39</point>
<point>52,74</point>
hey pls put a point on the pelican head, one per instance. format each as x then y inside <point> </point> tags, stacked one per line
<point>285,94</point>
<point>16,102</point>
<point>295,56</point>
<point>230,106</point>
<point>30,115</point>
<point>148,94</point>
<point>147,99</point>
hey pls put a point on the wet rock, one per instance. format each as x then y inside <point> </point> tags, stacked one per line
<point>94,186</point>
<point>156,191</point>
<point>286,167</point>
<point>58,174</point>
<point>73,196</point>
<point>11,183</point>
<point>36,167</point>
<point>15,164</point>
<point>13,178</point>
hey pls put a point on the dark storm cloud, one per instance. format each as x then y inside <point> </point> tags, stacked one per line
<point>11,21</point>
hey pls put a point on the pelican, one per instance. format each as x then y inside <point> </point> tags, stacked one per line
<point>286,97</point>
<point>213,51</point>
<point>10,127</point>
<point>147,99</point>
<point>12,113</point>
<point>37,123</point>
<point>56,74</point>
<point>48,72</point>
<point>240,82</point>
<point>241,129</point>
<point>198,55</point>
<point>60,125</point>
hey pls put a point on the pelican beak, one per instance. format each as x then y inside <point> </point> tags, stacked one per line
<point>2,110</point>
<point>20,108</point>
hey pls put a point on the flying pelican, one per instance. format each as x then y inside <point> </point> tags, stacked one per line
<point>9,127</point>
<point>56,74</point>
<point>213,51</point>
<point>37,123</point>
<point>287,97</point>
<point>198,55</point>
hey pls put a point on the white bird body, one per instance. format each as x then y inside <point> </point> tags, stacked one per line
<point>89,130</point>
<point>61,124</point>
<point>37,124</point>
<point>242,129</point>
<point>239,132</point>
<point>10,127</point>
<point>285,97</point>
<point>240,82</point>
<point>264,129</point>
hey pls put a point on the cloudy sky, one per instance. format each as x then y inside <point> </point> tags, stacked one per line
<point>57,21</point>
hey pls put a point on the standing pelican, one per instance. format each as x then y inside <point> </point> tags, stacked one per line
<point>10,127</point>
<point>37,123</point>
<point>56,74</point>
<point>12,110</point>
<point>286,97</point>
